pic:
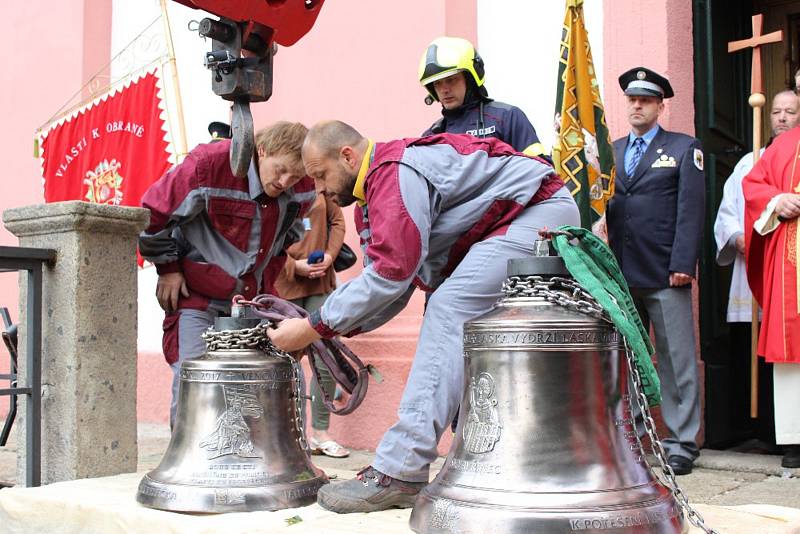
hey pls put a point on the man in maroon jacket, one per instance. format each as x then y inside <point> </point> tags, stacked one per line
<point>213,235</point>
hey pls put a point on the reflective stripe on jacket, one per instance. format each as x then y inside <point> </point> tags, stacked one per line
<point>503,121</point>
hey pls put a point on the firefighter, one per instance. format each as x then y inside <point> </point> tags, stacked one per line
<point>453,73</point>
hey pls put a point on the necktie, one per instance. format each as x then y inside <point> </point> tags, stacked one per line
<point>638,152</point>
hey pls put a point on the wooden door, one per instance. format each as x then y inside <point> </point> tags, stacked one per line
<point>723,124</point>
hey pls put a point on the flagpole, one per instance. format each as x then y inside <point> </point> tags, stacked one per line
<point>181,145</point>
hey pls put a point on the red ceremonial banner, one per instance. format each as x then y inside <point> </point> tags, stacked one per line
<point>109,152</point>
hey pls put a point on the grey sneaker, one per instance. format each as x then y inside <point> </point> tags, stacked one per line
<point>370,491</point>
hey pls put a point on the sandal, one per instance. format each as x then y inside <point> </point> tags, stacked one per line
<point>328,448</point>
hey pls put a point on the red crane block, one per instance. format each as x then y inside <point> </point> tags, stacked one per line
<point>289,19</point>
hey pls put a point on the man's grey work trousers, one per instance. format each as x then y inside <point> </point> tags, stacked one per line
<point>436,381</point>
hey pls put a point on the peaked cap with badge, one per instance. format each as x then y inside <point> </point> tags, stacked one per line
<point>640,81</point>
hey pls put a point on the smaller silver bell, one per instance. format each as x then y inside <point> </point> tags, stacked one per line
<point>238,443</point>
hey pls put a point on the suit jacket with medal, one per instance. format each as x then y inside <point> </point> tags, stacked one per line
<point>655,218</point>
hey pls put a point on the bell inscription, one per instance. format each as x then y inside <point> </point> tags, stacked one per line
<point>604,337</point>
<point>618,521</point>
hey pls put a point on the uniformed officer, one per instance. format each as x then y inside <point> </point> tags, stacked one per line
<point>453,73</point>
<point>655,222</point>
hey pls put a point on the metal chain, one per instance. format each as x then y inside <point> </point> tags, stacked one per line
<point>657,448</point>
<point>568,293</point>
<point>246,338</point>
<point>298,401</point>
<point>556,289</point>
<point>256,338</point>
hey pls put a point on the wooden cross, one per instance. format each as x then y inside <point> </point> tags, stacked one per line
<point>755,42</point>
<point>756,101</point>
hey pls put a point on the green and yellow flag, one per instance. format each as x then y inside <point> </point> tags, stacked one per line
<point>583,154</point>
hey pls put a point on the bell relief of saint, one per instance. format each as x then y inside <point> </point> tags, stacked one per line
<point>482,428</point>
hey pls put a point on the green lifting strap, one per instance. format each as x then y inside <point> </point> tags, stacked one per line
<point>594,267</point>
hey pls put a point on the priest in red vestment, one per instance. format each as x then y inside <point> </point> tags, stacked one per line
<point>772,205</point>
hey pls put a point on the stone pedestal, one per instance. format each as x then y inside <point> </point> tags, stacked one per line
<point>89,309</point>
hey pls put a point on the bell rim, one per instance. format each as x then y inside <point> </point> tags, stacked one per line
<point>424,517</point>
<point>197,494</point>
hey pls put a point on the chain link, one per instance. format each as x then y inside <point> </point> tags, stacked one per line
<point>557,290</point>
<point>668,475</point>
<point>256,338</point>
<point>568,293</point>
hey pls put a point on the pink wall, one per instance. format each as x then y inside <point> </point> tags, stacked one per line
<point>47,67</point>
<point>657,35</point>
<point>51,66</point>
<point>462,20</point>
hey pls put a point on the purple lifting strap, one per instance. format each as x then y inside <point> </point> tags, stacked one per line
<point>334,354</point>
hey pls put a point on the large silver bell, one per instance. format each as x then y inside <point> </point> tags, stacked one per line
<point>545,440</point>
<point>237,442</point>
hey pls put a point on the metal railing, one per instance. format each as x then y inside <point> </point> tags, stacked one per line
<point>32,261</point>
<point>10,340</point>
